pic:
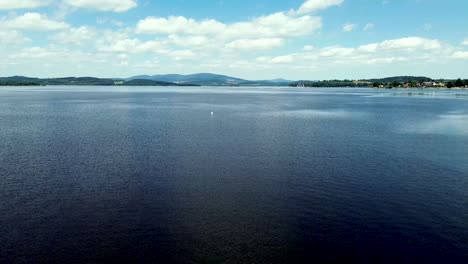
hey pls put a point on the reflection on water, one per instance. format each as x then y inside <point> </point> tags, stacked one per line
<point>276,175</point>
<point>423,93</point>
<point>447,124</point>
<point>313,113</point>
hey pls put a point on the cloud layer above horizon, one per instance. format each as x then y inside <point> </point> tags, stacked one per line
<point>312,39</point>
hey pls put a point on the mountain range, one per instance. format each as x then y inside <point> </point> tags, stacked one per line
<point>199,79</point>
<point>210,79</point>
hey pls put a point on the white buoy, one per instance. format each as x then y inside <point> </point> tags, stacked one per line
<point>212,114</point>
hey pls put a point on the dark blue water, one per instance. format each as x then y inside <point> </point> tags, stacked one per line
<point>147,175</point>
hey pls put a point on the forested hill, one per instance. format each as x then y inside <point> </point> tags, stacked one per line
<point>24,81</point>
<point>200,79</point>
<point>401,79</point>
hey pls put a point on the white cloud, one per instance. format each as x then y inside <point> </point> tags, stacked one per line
<point>165,43</point>
<point>179,55</point>
<point>104,5</point>
<point>460,55</point>
<point>212,36</point>
<point>154,46</point>
<point>369,47</point>
<point>411,43</point>
<point>369,26</point>
<point>335,51</point>
<point>12,37</point>
<point>413,49</point>
<point>179,24</point>
<point>189,41</point>
<point>22,4</point>
<point>75,35</point>
<point>255,44</point>
<point>33,22</point>
<point>348,27</point>
<point>276,60</point>
<point>133,45</point>
<point>52,54</point>
<point>282,59</point>
<point>58,61</point>
<point>124,45</point>
<point>385,60</point>
<point>270,26</point>
<point>310,6</point>
<point>276,25</point>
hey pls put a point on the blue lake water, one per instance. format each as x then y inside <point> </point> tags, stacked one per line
<point>275,175</point>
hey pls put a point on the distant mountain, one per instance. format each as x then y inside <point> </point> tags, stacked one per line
<point>199,79</point>
<point>280,81</point>
<point>18,78</point>
<point>21,81</point>
<point>145,82</point>
<point>77,81</point>
<point>210,79</point>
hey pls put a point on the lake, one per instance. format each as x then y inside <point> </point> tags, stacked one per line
<point>274,175</point>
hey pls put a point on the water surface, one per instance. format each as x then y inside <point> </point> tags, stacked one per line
<point>276,175</point>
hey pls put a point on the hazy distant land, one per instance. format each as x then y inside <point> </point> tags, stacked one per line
<point>209,79</point>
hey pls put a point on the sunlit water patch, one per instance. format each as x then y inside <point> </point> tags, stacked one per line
<point>316,113</point>
<point>455,123</point>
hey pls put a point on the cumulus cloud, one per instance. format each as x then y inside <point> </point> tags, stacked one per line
<point>465,42</point>
<point>12,37</point>
<point>75,35</point>
<point>274,25</point>
<point>22,4</point>
<point>179,55</point>
<point>460,55</point>
<point>282,59</point>
<point>123,45</point>
<point>348,27</point>
<point>310,6</point>
<point>33,22</point>
<point>255,44</point>
<point>212,36</point>
<point>177,25</point>
<point>335,51</point>
<point>103,5</point>
<point>389,51</point>
<point>260,33</point>
<point>411,43</point>
<point>133,45</point>
<point>408,44</point>
<point>189,41</point>
<point>212,43</point>
<point>49,53</point>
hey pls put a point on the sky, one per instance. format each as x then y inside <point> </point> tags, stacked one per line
<point>252,39</point>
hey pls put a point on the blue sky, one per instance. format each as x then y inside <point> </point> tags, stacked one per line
<point>254,39</point>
